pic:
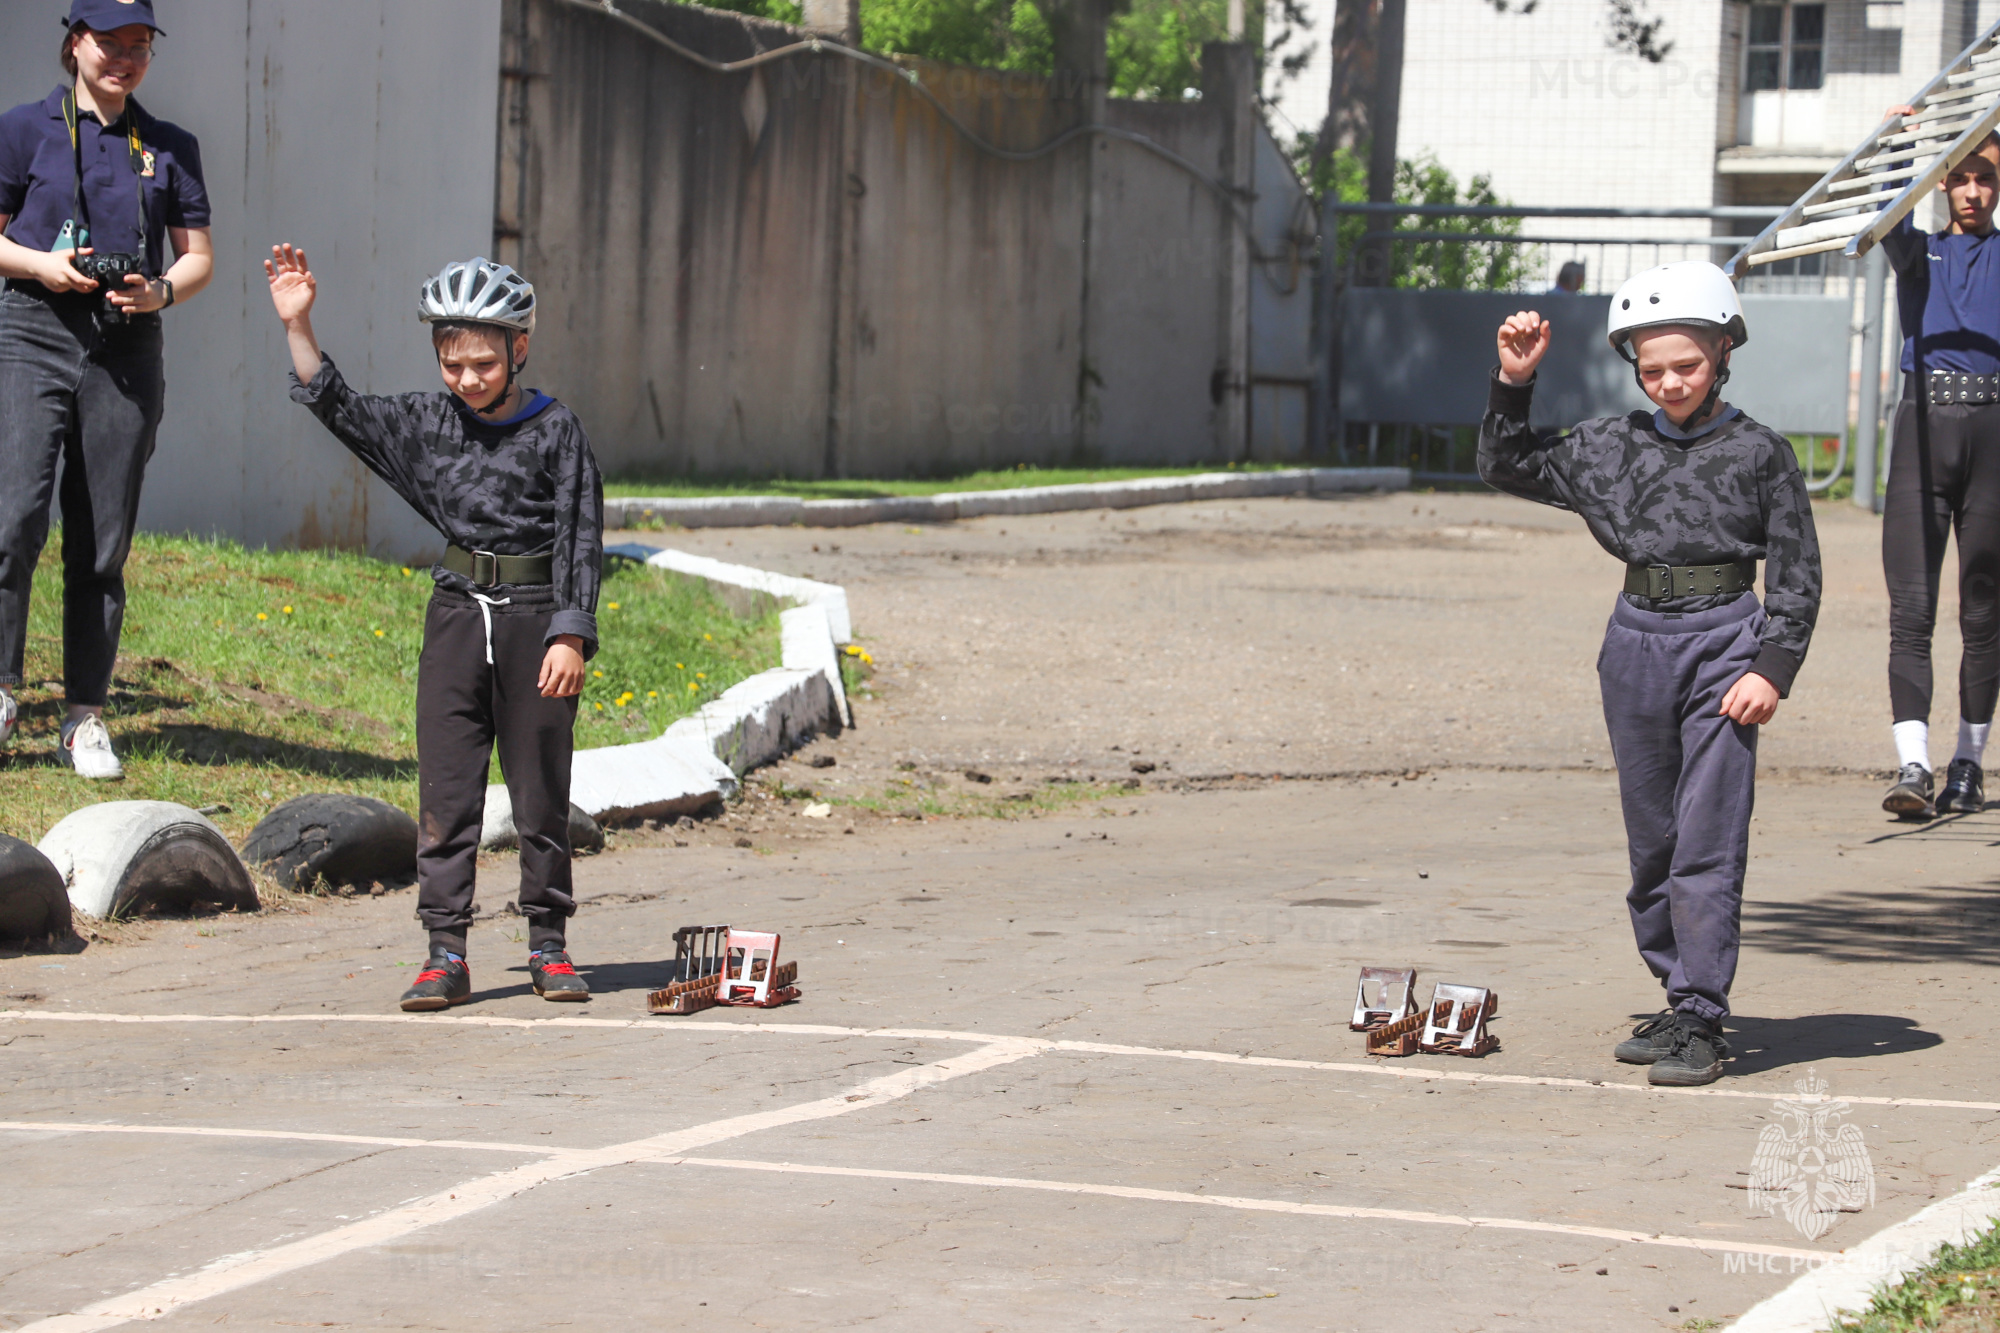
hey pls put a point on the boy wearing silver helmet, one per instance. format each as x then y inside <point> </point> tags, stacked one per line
<point>1690,497</point>
<point>506,475</point>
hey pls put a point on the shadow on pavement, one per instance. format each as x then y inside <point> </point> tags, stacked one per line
<point>1774,1043</point>
<point>610,978</point>
<point>1944,924</point>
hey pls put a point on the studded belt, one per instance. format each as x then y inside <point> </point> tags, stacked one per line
<point>1951,386</point>
<point>1658,582</point>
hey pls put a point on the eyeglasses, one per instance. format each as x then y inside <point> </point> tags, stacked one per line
<point>111,50</point>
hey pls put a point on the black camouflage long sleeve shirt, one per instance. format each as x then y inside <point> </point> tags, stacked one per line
<point>1649,498</point>
<point>530,488</point>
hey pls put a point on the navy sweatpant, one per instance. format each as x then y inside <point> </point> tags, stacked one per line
<point>1686,778</point>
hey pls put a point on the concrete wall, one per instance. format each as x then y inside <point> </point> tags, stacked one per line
<point>806,270</point>
<point>362,130</point>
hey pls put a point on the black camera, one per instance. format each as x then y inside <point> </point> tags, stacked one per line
<point>110,272</point>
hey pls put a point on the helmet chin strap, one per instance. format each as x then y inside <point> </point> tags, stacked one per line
<point>501,401</point>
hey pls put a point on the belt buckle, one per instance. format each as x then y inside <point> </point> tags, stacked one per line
<point>491,566</point>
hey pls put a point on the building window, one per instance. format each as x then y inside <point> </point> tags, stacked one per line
<point>1786,49</point>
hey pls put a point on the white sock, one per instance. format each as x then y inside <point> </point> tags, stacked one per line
<point>1913,743</point>
<point>1972,740</point>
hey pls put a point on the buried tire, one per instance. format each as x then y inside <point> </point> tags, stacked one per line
<point>122,857</point>
<point>335,837</point>
<point>33,901</point>
<point>586,835</point>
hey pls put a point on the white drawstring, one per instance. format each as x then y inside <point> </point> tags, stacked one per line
<point>486,605</point>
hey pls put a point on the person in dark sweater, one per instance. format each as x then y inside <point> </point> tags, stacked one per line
<point>506,476</point>
<point>1944,481</point>
<point>1690,497</point>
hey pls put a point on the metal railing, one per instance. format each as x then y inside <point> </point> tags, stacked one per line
<point>1444,452</point>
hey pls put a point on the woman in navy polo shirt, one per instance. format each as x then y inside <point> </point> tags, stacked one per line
<point>87,173</point>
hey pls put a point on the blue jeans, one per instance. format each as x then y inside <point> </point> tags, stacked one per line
<point>91,397</point>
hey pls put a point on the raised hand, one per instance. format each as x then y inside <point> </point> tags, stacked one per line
<point>1523,340</point>
<point>293,287</point>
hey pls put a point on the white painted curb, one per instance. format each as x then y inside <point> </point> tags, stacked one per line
<point>698,759</point>
<point>1848,1279</point>
<point>741,585</point>
<point>101,849</point>
<point>748,511</point>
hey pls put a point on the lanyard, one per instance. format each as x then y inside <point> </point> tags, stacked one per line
<point>133,149</point>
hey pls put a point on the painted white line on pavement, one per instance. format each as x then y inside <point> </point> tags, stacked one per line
<point>576,1160</point>
<point>1420,1072</point>
<point>236,1271</point>
<point>301,1136</point>
<point>1467,1076</point>
<point>1845,1281</point>
<point>1266,1205</point>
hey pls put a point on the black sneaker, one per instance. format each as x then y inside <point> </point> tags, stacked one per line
<point>1649,1041</point>
<point>445,981</point>
<point>1964,789</point>
<point>1696,1057</point>
<point>554,978</point>
<point>1911,796</point>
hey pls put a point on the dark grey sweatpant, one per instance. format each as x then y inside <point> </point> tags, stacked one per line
<point>1686,778</point>
<point>464,709</point>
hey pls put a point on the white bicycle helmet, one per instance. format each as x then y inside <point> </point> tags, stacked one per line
<point>479,291</point>
<point>1693,292</point>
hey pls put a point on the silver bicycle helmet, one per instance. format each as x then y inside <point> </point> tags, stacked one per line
<point>479,291</point>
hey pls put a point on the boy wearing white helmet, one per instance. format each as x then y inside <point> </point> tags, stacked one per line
<point>507,477</point>
<point>1690,497</point>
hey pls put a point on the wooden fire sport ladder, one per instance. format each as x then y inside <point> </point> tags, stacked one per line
<point>1857,203</point>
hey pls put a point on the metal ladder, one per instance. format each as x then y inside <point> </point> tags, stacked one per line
<point>1860,201</point>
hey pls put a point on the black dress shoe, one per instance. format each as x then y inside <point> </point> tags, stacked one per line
<point>1911,796</point>
<point>1964,789</point>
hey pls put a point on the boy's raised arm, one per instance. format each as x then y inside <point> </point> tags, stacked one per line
<point>293,291</point>
<point>1511,458</point>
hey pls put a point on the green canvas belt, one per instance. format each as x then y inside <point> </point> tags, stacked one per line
<point>486,569</point>
<point>1662,581</point>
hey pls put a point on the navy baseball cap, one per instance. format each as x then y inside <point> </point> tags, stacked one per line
<point>110,15</point>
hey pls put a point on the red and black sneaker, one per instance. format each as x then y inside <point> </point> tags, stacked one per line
<point>554,978</point>
<point>445,981</point>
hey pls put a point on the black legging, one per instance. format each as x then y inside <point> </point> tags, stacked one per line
<point>1944,477</point>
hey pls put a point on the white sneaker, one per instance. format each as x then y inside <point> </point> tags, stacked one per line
<point>88,746</point>
<point>8,713</point>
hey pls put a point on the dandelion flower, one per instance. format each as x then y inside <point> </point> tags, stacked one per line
<point>611,605</point>
<point>701,675</point>
<point>406,571</point>
<point>853,650</point>
<point>598,674</point>
<point>598,707</point>
<point>709,637</point>
<point>652,694</point>
<point>288,610</point>
<point>378,633</point>
<point>262,616</point>
<point>678,666</point>
<point>693,686</point>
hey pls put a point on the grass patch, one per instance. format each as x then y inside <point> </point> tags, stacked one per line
<point>1004,479</point>
<point>250,677</point>
<point>1958,1291</point>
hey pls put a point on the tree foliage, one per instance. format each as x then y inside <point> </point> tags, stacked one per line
<point>1456,265</point>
